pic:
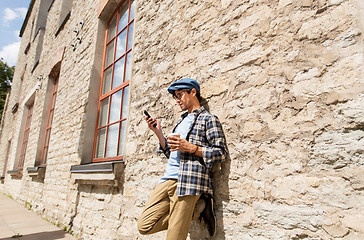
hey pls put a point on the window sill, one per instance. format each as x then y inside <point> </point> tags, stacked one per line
<point>16,173</point>
<point>63,23</point>
<point>37,173</point>
<point>107,174</point>
<point>15,108</point>
<point>35,66</point>
<point>50,5</point>
<point>38,31</point>
<point>27,49</point>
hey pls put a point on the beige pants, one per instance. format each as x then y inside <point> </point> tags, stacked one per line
<point>165,211</point>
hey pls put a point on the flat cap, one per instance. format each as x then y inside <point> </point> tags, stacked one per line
<point>184,83</point>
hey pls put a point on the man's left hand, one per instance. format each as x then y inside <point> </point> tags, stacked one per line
<point>178,144</point>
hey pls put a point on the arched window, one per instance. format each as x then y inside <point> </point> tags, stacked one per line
<point>25,136</point>
<point>47,135</point>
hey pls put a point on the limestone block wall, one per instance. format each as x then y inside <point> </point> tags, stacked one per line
<point>284,77</point>
<point>24,88</point>
<point>286,80</point>
<point>55,195</point>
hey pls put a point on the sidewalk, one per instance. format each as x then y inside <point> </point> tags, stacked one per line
<point>16,222</point>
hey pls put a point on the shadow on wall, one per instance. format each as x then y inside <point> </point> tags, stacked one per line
<point>220,176</point>
<point>42,235</point>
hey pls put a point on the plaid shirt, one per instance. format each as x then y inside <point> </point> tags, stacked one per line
<point>194,176</point>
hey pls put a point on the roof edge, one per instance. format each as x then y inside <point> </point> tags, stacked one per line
<point>30,8</point>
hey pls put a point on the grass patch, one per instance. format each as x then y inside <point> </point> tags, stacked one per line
<point>8,195</point>
<point>17,236</point>
<point>28,205</point>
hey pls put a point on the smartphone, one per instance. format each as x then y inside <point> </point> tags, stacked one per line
<point>147,114</point>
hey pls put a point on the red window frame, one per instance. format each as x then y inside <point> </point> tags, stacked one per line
<point>25,138</point>
<point>114,87</point>
<point>47,135</point>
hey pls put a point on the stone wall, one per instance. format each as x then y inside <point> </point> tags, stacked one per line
<point>285,79</point>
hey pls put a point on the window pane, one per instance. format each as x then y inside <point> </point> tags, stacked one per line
<point>118,73</point>
<point>27,125</point>
<point>56,85</point>
<point>112,141</point>
<point>23,149</point>
<point>128,66</point>
<point>29,119</point>
<point>21,162</point>
<point>47,138</point>
<point>26,136</point>
<point>45,153</point>
<point>132,10</point>
<point>107,81</point>
<point>30,111</point>
<point>122,138</point>
<point>54,100</point>
<point>112,29</point>
<point>109,58</point>
<point>115,107</point>
<point>123,13</point>
<point>121,44</point>
<point>100,143</point>
<point>125,103</point>
<point>50,119</point>
<point>104,108</point>
<point>130,37</point>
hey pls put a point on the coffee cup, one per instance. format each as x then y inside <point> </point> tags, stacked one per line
<point>177,135</point>
<point>174,135</point>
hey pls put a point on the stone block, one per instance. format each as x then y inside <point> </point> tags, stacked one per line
<point>289,217</point>
<point>338,149</point>
<point>306,3</point>
<point>284,3</point>
<point>336,230</point>
<point>334,97</point>
<point>354,221</point>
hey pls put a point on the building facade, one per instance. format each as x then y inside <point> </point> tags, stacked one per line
<point>284,77</point>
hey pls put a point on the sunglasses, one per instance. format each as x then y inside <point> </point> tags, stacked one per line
<point>179,95</point>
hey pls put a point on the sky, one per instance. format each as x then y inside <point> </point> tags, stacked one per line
<point>12,15</point>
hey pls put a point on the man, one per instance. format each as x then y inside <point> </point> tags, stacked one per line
<point>187,178</point>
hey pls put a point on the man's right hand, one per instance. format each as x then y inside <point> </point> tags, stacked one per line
<point>151,122</point>
<point>157,130</point>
